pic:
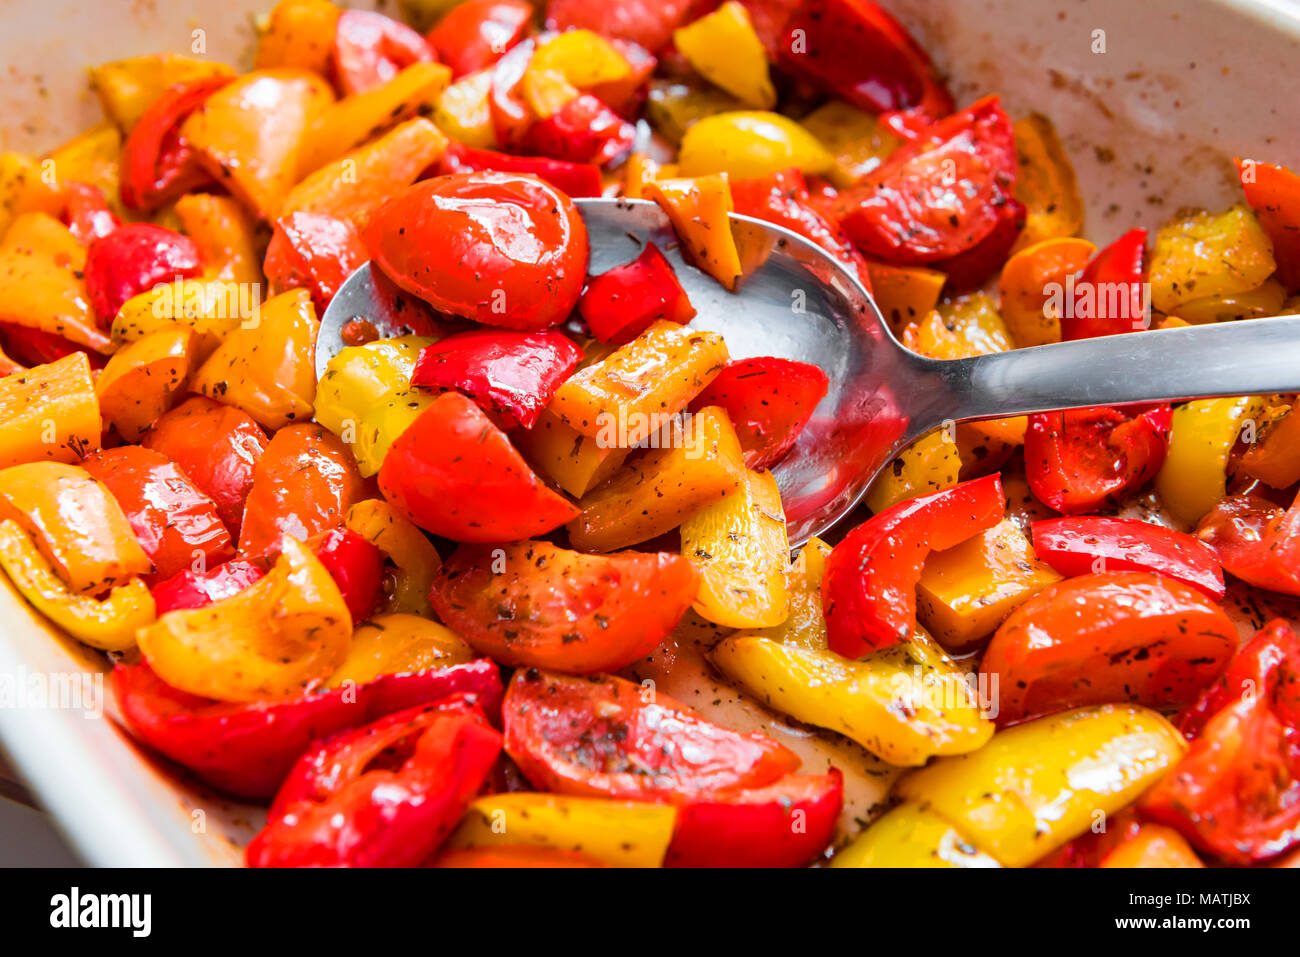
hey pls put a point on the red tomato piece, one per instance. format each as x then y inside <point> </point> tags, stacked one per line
<point>648,22</point>
<point>217,446</point>
<point>303,484</point>
<point>1273,192</point>
<point>157,163</point>
<point>971,269</point>
<point>533,604</point>
<point>1082,459</point>
<point>1236,793</point>
<point>357,567</point>
<point>622,303</point>
<point>1077,546</point>
<point>1256,541</point>
<point>602,736</point>
<point>370,49</point>
<point>176,524</point>
<point>191,589</point>
<point>769,401</point>
<point>1114,636</point>
<point>939,195</point>
<point>757,827</point>
<point>133,259</point>
<point>386,795</point>
<point>313,251</point>
<point>509,374</point>
<point>503,249</point>
<point>575,179</point>
<point>474,35</point>
<point>455,474</point>
<point>869,589</point>
<point>855,50</point>
<point>86,212</point>
<point>584,130</point>
<point>1109,297</point>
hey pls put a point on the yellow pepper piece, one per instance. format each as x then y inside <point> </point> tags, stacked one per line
<point>462,111</point>
<point>740,548</point>
<point>905,294</point>
<point>1023,287</point>
<point>24,190</point>
<point>967,591</point>
<point>634,392</point>
<point>127,88</point>
<point>1200,255</point>
<point>700,463</point>
<point>353,120</point>
<point>548,92</point>
<point>109,625</point>
<point>640,171</point>
<point>213,308</point>
<point>1194,476</point>
<point>91,158</point>
<point>267,368</point>
<point>49,412</point>
<point>1045,183</point>
<point>407,548</point>
<point>1038,785</point>
<point>247,134</point>
<point>723,48</point>
<point>929,464</point>
<point>299,35</point>
<point>911,836</point>
<point>805,626</point>
<point>1265,300</point>
<point>224,234</point>
<point>423,14</point>
<point>750,143</point>
<point>399,644</point>
<point>1154,845</point>
<point>575,462</point>
<point>699,209</point>
<point>568,63</point>
<point>674,105</point>
<point>274,638</point>
<point>617,833</point>
<point>857,139</point>
<point>142,380</point>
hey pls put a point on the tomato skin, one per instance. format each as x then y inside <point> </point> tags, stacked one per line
<point>869,589</point>
<point>444,469</point>
<point>303,484</point>
<point>575,179</point>
<point>967,159</point>
<point>357,567</point>
<point>313,251</point>
<point>217,446</point>
<point>621,303</point>
<point>86,213</point>
<point>504,249</point>
<point>132,259</point>
<point>602,736</point>
<point>769,400</point>
<point>1123,262</point>
<point>1082,459</point>
<point>1075,546</point>
<point>370,49</point>
<point>1106,637</point>
<point>584,130</point>
<point>753,828</point>
<point>512,375</point>
<point>191,589</point>
<point>1236,793</point>
<point>1273,192</point>
<point>157,163</point>
<point>1256,541</point>
<point>552,608</point>
<point>474,35</point>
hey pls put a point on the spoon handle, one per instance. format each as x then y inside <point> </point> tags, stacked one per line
<point>1249,357</point>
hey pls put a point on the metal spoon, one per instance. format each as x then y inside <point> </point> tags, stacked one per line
<point>797,302</point>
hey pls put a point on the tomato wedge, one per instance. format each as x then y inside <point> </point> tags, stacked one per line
<point>1112,636</point>
<point>474,35</point>
<point>370,49</point>
<point>534,604</point>
<point>313,251</point>
<point>1256,541</point>
<point>869,589</point>
<point>1109,297</point>
<point>603,736</point>
<point>623,302</point>
<point>1273,192</point>
<point>133,259</point>
<point>157,163</point>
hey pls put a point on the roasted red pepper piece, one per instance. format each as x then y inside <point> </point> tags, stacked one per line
<point>769,401</point>
<point>217,446</point>
<point>869,589</point>
<point>1256,540</point>
<point>509,374</point>
<point>450,461</point>
<point>34,347</point>
<point>370,49</point>
<point>133,259</point>
<point>191,589</point>
<point>603,736</point>
<point>509,110</point>
<point>574,179</point>
<point>971,269</point>
<point>1109,297</point>
<point>533,604</point>
<point>313,251</point>
<point>1081,459</point>
<point>855,50</point>
<point>157,164</point>
<point>176,524</point>
<point>584,130</point>
<point>626,96</point>
<point>1077,546</point>
<point>474,35</point>
<point>786,824</point>
<point>357,567</point>
<point>386,795</point>
<point>648,22</point>
<point>939,195</point>
<point>783,198</point>
<point>86,212</point>
<point>1273,192</point>
<point>1236,793</point>
<point>620,304</point>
